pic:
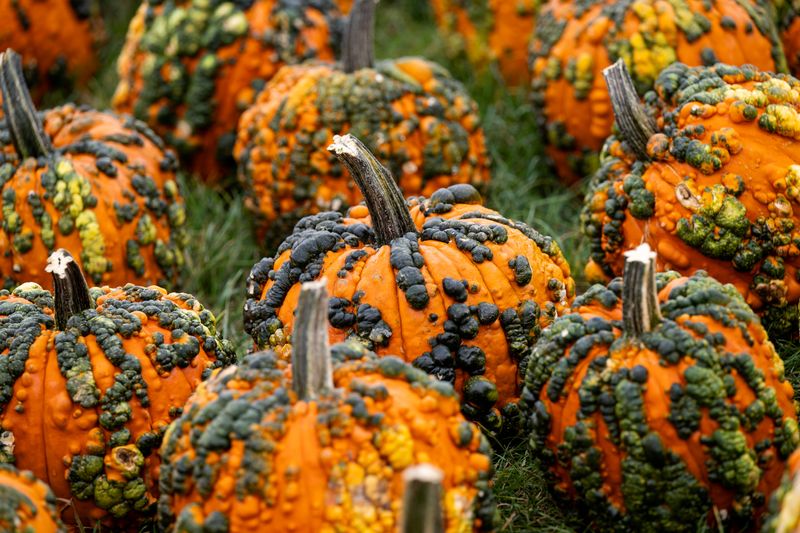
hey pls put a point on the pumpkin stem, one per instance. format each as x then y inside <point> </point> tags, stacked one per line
<point>358,48</point>
<point>640,309</point>
<point>312,371</point>
<point>27,131</point>
<point>71,291</point>
<point>635,125</point>
<point>422,500</point>
<point>387,207</point>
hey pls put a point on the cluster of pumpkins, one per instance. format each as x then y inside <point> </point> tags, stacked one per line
<point>653,400</point>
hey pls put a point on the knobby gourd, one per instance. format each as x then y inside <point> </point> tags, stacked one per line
<point>707,173</point>
<point>89,381</point>
<point>321,446</point>
<point>56,39</point>
<point>96,183</point>
<point>490,30</point>
<point>189,68</point>
<point>575,40</point>
<point>27,505</point>
<point>418,120</point>
<point>453,287</point>
<point>658,403</point>
<point>784,505</point>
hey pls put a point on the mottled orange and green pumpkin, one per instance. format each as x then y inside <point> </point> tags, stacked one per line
<point>490,30</point>
<point>259,450</point>
<point>99,184</point>
<point>89,381</point>
<point>715,188</point>
<point>783,515</point>
<point>419,121</point>
<point>55,38</point>
<point>659,404</point>
<point>576,40</point>
<point>190,68</point>
<point>26,504</point>
<point>445,283</point>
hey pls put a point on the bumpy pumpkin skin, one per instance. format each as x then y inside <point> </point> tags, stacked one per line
<point>411,113</point>
<point>726,135</point>
<point>88,406</point>
<point>697,414</point>
<point>54,38</point>
<point>490,30</point>
<point>784,505</point>
<point>575,41</point>
<point>26,504</point>
<point>192,95</point>
<point>109,194</point>
<point>268,460</point>
<point>464,301</point>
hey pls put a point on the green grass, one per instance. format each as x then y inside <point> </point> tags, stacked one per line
<point>222,248</point>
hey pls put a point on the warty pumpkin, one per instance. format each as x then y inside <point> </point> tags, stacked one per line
<point>490,31</point>
<point>707,174</point>
<point>189,67</point>
<point>659,399</point>
<point>99,184</point>
<point>784,505</point>
<point>453,287</point>
<point>418,120</point>
<point>575,41</point>
<point>27,505</point>
<point>89,381</point>
<point>322,446</point>
<point>56,39</point>
<point>785,14</point>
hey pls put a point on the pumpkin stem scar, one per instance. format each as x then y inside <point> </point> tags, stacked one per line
<point>358,50</point>
<point>312,371</point>
<point>640,310</point>
<point>71,291</point>
<point>422,500</point>
<point>27,131</point>
<point>387,207</point>
<point>635,125</point>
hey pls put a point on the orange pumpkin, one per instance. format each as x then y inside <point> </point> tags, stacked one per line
<point>710,181</point>
<point>55,38</point>
<point>417,119</point>
<point>89,381</point>
<point>575,41</point>
<point>189,68</point>
<point>658,403</point>
<point>97,183</point>
<point>490,30</point>
<point>26,504</point>
<point>320,449</point>
<point>447,284</point>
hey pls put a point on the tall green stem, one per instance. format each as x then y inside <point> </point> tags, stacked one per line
<point>27,131</point>
<point>634,124</point>
<point>71,293</point>
<point>640,309</point>
<point>385,202</point>
<point>358,48</point>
